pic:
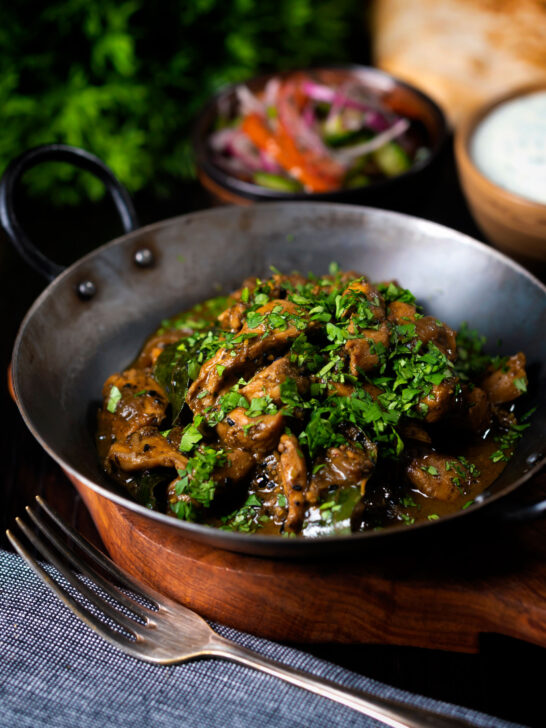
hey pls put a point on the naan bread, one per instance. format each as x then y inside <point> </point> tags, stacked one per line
<point>461,52</point>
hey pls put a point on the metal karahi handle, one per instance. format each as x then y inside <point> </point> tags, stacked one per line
<point>56,153</point>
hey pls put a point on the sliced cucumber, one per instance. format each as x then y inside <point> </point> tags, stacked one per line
<point>356,180</point>
<point>277,182</point>
<point>391,159</point>
<point>347,138</point>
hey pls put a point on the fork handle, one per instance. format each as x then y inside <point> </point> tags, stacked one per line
<point>389,712</point>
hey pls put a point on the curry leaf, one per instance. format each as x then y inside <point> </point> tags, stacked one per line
<point>144,485</point>
<point>174,371</point>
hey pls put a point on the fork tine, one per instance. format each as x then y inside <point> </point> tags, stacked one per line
<point>115,638</point>
<point>121,619</point>
<point>89,571</point>
<point>107,564</point>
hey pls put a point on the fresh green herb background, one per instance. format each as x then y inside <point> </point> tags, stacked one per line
<point>125,80</point>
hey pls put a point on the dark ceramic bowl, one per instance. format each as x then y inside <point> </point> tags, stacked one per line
<point>427,119</point>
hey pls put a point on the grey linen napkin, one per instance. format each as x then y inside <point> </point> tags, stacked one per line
<point>55,671</point>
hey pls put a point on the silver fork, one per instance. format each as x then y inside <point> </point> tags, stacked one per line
<point>166,632</point>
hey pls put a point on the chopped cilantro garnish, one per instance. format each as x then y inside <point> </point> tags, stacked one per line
<point>246,518</point>
<point>254,319</point>
<point>191,435</point>
<point>520,384</point>
<point>430,469</point>
<point>113,399</point>
<point>329,401</point>
<point>281,500</point>
<point>508,440</point>
<point>261,406</point>
<point>196,482</point>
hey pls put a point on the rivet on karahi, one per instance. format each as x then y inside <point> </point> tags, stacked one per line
<point>86,290</point>
<point>144,257</point>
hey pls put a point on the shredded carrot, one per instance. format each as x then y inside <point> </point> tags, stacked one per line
<point>304,166</point>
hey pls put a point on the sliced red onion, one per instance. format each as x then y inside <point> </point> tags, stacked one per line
<point>353,120</point>
<point>345,156</point>
<point>271,93</point>
<point>337,106</point>
<point>328,95</point>
<point>230,164</point>
<point>294,123</point>
<point>269,164</point>
<point>318,92</point>
<point>378,116</point>
<point>373,118</point>
<point>221,139</point>
<point>308,116</point>
<point>248,102</point>
<point>242,148</point>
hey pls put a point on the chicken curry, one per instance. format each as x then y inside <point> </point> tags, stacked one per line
<point>308,406</point>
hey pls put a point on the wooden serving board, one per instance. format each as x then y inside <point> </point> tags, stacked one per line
<point>442,596</point>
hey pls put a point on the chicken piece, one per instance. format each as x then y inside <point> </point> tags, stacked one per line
<point>281,283</point>
<point>232,318</point>
<point>144,450</point>
<point>504,418</point>
<point>413,431</point>
<point>269,379</point>
<point>337,280</point>
<point>475,412</point>
<point>293,477</point>
<point>347,464</point>
<point>439,400</point>
<point>238,465</point>
<point>143,402</point>
<point>267,484</point>
<point>344,277</point>
<point>373,390</point>
<point>258,435</point>
<point>365,353</point>
<point>501,385</point>
<point>438,476</point>
<point>401,313</point>
<point>430,330</point>
<point>276,285</point>
<point>156,345</point>
<point>362,288</point>
<point>192,508</point>
<point>341,389</point>
<point>265,339</point>
<point>250,283</point>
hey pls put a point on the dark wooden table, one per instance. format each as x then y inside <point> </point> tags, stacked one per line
<point>505,678</point>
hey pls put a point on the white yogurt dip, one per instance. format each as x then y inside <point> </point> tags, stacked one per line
<point>509,146</point>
